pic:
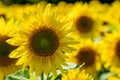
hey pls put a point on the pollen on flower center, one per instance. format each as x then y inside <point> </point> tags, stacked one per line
<point>117,49</point>
<point>44,42</point>
<point>5,50</point>
<point>84,24</point>
<point>86,55</point>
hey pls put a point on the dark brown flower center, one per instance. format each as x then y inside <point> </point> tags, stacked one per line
<point>105,23</point>
<point>84,24</point>
<point>117,49</point>
<point>44,42</point>
<point>5,50</point>
<point>87,55</point>
<point>3,15</point>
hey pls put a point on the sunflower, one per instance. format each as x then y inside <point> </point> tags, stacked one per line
<point>3,11</point>
<point>21,10</point>
<point>112,13</point>
<point>111,52</point>
<point>76,74</point>
<point>111,19</point>
<point>101,11</point>
<point>101,8</point>
<point>63,8</point>
<point>7,65</point>
<point>88,53</point>
<point>43,40</point>
<point>85,20</point>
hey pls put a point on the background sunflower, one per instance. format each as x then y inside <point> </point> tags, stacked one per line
<point>7,65</point>
<point>88,53</point>
<point>76,74</point>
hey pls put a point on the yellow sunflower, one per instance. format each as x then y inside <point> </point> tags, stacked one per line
<point>112,13</point>
<point>3,11</point>
<point>111,52</point>
<point>21,10</point>
<point>76,74</point>
<point>7,65</point>
<point>85,20</point>
<point>43,40</point>
<point>63,8</point>
<point>88,53</point>
<point>111,17</point>
<point>100,10</point>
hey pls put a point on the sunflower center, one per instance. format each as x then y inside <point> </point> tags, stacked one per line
<point>3,15</point>
<point>84,24</point>
<point>117,49</point>
<point>86,55</point>
<point>5,50</point>
<point>44,42</point>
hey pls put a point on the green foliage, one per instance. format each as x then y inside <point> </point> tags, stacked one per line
<point>58,77</point>
<point>20,75</point>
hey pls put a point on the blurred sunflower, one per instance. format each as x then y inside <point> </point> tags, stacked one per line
<point>76,74</point>
<point>112,14</point>
<point>111,21</point>
<point>7,65</point>
<point>85,20</point>
<point>21,10</point>
<point>111,52</point>
<point>3,11</point>
<point>88,53</point>
<point>42,42</point>
<point>63,8</point>
<point>101,10</point>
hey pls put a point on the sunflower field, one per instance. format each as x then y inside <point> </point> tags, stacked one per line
<point>59,40</point>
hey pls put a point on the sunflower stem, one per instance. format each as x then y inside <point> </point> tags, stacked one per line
<point>42,76</point>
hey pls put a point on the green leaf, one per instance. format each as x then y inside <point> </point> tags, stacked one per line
<point>19,75</point>
<point>58,77</point>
